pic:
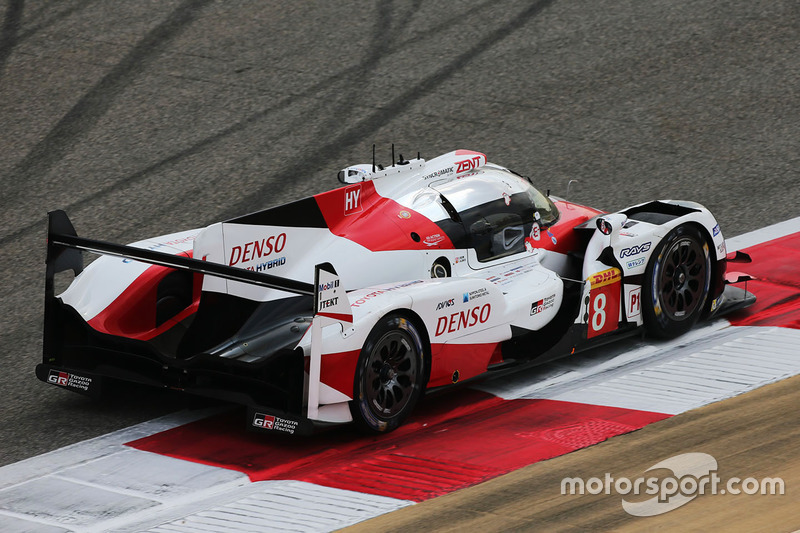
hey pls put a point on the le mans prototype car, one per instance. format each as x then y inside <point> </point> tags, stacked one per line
<point>347,306</point>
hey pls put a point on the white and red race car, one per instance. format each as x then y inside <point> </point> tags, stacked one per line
<point>348,305</point>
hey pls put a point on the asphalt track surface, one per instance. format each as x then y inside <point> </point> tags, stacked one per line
<point>144,118</point>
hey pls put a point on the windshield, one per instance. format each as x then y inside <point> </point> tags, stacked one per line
<point>497,226</point>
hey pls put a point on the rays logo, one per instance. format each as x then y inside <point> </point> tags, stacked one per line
<point>635,250</point>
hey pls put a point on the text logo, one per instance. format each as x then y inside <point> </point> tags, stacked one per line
<point>635,250</point>
<point>636,262</point>
<point>257,249</point>
<point>448,303</point>
<point>463,320</point>
<point>691,475</point>
<point>264,421</point>
<point>635,302</point>
<point>352,200</point>
<point>545,303</point>
<point>58,378</point>
<point>468,164</point>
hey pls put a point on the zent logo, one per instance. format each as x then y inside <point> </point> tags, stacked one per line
<point>352,200</point>
<point>635,250</point>
<point>264,421</point>
<point>468,164</point>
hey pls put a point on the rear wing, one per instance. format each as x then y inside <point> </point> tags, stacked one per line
<point>64,245</point>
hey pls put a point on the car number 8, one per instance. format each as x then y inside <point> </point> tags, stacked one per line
<point>599,316</point>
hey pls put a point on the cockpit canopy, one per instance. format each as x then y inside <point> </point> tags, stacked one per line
<point>497,210</point>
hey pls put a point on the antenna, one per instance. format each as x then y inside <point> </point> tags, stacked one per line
<point>569,186</point>
<point>392,154</point>
<point>373,158</point>
<point>418,156</point>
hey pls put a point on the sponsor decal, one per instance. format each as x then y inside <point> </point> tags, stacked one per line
<point>433,240</point>
<point>477,293</point>
<point>716,230</point>
<point>604,302</point>
<point>463,320</point>
<point>635,302</point>
<point>636,262</point>
<point>439,173</point>
<point>352,200</point>
<point>635,250</point>
<point>542,305</point>
<point>536,232</point>
<point>258,249</point>
<point>722,248</point>
<point>264,421</point>
<point>404,214</point>
<point>460,259</point>
<point>330,302</point>
<point>273,263</point>
<point>468,164</point>
<point>506,198</point>
<point>445,304</point>
<point>552,237</point>
<point>65,379</point>
<point>605,277</point>
<point>374,294</point>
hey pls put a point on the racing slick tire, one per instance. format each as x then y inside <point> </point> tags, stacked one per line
<point>390,375</point>
<point>676,283</point>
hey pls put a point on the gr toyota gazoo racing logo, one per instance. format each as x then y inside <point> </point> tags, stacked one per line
<point>65,379</point>
<point>543,304</point>
<point>265,421</point>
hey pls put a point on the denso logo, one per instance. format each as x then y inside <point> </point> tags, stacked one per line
<point>463,320</point>
<point>352,200</point>
<point>634,250</point>
<point>448,303</point>
<point>258,249</point>
<point>468,164</point>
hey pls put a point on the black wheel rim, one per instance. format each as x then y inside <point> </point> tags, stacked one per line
<point>391,374</point>
<point>682,282</point>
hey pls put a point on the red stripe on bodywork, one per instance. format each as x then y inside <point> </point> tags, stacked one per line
<point>378,223</point>
<point>338,370</point>
<point>469,360</point>
<point>454,441</point>
<point>338,316</point>
<point>133,313</point>
<point>567,239</point>
<point>777,287</point>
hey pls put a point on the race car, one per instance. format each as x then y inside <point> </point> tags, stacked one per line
<point>349,305</point>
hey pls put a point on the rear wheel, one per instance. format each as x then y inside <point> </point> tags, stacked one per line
<point>676,284</point>
<point>389,376</point>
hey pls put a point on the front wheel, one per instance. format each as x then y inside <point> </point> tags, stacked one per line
<point>389,375</point>
<point>676,283</point>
